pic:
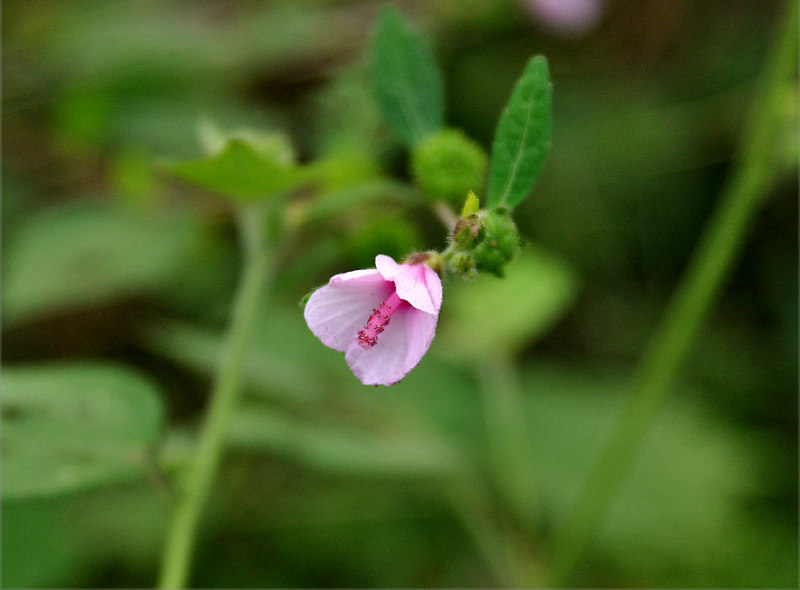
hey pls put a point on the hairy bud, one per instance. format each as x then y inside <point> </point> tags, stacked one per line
<point>447,165</point>
<point>499,244</point>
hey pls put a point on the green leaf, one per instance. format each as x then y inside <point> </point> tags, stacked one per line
<point>70,427</point>
<point>361,196</point>
<point>489,318</point>
<point>40,549</point>
<point>85,253</point>
<point>522,138</point>
<point>57,541</point>
<point>694,473</point>
<point>240,171</point>
<point>407,82</point>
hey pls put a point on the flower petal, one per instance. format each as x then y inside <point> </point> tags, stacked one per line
<point>420,330</point>
<point>416,283</point>
<point>399,349</point>
<point>336,312</point>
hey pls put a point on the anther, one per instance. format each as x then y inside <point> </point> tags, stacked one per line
<point>377,322</point>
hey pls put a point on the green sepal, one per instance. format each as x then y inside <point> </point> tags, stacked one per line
<point>471,205</point>
<point>499,244</point>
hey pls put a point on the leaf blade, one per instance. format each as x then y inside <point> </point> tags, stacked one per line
<point>239,171</point>
<point>538,289</point>
<point>83,254</point>
<point>522,138</point>
<point>406,79</point>
<point>77,426</point>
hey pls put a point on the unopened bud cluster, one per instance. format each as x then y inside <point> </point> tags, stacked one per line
<point>446,167</point>
<point>484,241</point>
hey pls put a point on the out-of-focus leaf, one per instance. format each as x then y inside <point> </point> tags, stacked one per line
<point>278,361</point>
<point>39,543</point>
<point>522,138</point>
<point>345,116</point>
<point>69,427</point>
<point>393,235</point>
<point>407,81</point>
<point>681,518</point>
<point>273,145</point>
<point>344,450</point>
<point>373,193</point>
<point>133,177</point>
<point>58,541</point>
<point>85,253</point>
<point>241,171</point>
<point>490,317</point>
<point>348,166</point>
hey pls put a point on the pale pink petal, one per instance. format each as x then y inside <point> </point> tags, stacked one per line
<point>416,283</point>
<point>568,16</point>
<point>399,349</point>
<point>335,313</point>
<point>420,330</point>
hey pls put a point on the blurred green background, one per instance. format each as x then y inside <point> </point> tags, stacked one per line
<point>117,282</point>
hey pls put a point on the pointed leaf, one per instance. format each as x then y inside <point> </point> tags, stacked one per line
<point>490,318</point>
<point>522,138</point>
<point>407,82</point>
<point>240,171</point>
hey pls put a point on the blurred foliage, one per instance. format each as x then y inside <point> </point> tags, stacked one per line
<point>328,483</point>
<point>82,253</point>
<point>69,427</point>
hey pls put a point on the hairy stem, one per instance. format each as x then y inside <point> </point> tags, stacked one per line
<point>715,254</point>
<point>177,556</point>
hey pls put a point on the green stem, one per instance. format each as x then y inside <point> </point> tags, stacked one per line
<point>181,538</point>
<point>712,261</point>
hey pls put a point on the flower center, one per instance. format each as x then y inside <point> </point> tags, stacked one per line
<point>377,322</point>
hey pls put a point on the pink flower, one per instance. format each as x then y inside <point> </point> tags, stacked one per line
<point>383,319</point>
<point>567,16</point>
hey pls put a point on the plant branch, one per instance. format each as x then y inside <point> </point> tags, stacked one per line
<point>177,557</point>
<point>721,242</point>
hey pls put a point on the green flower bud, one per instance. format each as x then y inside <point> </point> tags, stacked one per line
<point>447,165</point>
<point>468,232</point>
<point>431,258</point>
<point>500,243</point>
<point>464,264</point>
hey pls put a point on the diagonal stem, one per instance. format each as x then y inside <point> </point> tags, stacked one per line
<point>713,259</point>
<point>177,556</point>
